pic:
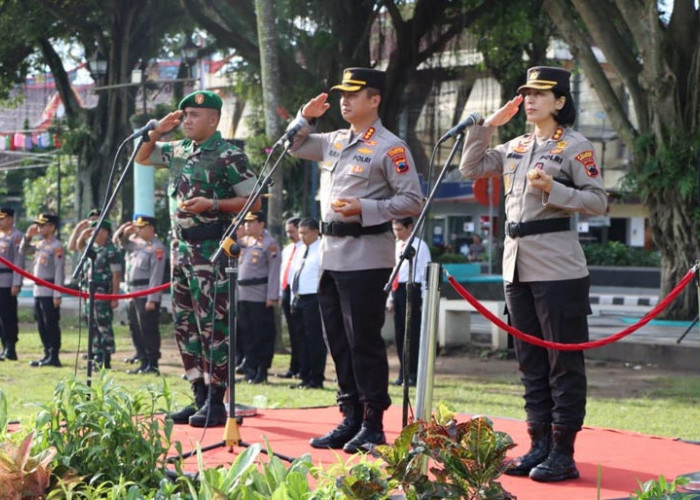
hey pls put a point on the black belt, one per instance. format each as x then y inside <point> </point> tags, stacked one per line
<point>5,270</point>
<point>520,229</point>
<point>203,232</point>
<point>352,228</point>
<point>252,281</point>
<point>138,282</point>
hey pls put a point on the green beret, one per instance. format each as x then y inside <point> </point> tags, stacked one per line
<point>105,224</point>
<point>201,99</point>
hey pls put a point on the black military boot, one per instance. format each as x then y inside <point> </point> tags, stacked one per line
<point>10,352</point>
<point>371,432</point>
<point>260,376</point>
<point>3,352</point>
<point>213,413</point>
<point>540,446</point>
<point>140,369</point>
<point>560,464</point>
<point>200,396</point>
<point>151,367</point>
<point>39,362</point>
<point>52,359</point>
<point>346,429</point>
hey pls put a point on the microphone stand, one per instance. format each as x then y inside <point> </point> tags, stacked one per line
<point>408,253</point>
<point>89,253</point>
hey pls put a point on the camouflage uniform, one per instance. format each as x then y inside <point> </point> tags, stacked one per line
<point>107,261</point>
<point>215,169</point>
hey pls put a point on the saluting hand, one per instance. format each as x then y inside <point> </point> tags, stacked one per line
<point>170,121</point>
<point>316,107</point>
<point>505,113</point>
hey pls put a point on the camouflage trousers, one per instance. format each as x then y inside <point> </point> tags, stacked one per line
<point>196,290</point>
<point>102,332</point>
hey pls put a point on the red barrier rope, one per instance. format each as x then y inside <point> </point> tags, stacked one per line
<point>572,347</point>
<point>77,293</point>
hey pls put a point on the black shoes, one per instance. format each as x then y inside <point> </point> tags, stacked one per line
<point>540,447</point>
<point>50,359</point>
<point>260,377</point>
<point>200,397</point>
<point>560,464</point>
<point>307,385</point>
<point>368,436</point>
<point>133,359</point>
<point>10,353</point>
<point>213,413</point>
<point>344,432</point>
<point>289,374</point>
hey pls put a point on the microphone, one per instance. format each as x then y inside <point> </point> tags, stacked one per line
<point>470,120</point>
<point>292,130</point>
<point>143,131</point>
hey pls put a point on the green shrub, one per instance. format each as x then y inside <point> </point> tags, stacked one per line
<point>615,253</point>
<point>103,433</point>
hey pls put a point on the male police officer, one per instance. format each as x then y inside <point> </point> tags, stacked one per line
<point>368,178</point>
<point>210,179</point>
<point>49,266</point>
<point>10,282</point>
<point>257,293</point>
<point>146,268</point>
<point>105,271</point>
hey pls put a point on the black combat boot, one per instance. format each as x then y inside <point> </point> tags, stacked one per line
<point>39,362</point>
<point>53,359</point>
<point>3,352</point>
<point>10,352</point>
<point>371,432</point>
<point>350,425</point>
<point>213,413</point>
<point>151,367</point>
<point>200,397</point>
<point>140,369</point>
<point>540,446</point>
<point>560,464</point>
<point>260,376</point>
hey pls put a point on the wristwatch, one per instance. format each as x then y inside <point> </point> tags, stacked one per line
<point>214,205</point>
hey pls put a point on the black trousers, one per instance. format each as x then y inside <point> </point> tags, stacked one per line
<point>296,331</point>
<point>352,309</point>
<point>48,318</point>
<point>8,317</point>
<point>134,329</point>
<point>312,353</point>
<point>400,300</point>
<point>147,329</point>
<point>555,381</point>
<point>258,326</point>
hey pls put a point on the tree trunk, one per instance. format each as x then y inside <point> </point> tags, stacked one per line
<point>270,71</point>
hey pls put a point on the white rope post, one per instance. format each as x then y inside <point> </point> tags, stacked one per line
<point>428,342</point>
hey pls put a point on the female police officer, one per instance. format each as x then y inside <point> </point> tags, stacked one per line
<point>548,175</point>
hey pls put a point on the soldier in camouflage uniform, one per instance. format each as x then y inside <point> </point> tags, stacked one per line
<point>49,265</point>
<point>107,275</point>
<point>10,283</point>
<point>210,180</point>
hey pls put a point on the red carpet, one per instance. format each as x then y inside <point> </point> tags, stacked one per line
<point>624,457</point>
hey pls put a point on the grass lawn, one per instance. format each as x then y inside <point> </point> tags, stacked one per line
<point>668,407</point>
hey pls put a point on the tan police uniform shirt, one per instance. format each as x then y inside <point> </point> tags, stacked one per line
<point>260,258</point>
<point>9,249</point>
<point>146,265</point>
<point>377,168</point>
<point>578,187</point>
<point>49,264</point>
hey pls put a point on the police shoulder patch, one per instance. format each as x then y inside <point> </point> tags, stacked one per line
<point>587,159</point>
<point>59,252</point>
<point>398,158</point>
<point>159,253</point>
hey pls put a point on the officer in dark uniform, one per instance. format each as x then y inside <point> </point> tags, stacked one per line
<point>10,282</point>
<point>49,263</point>
<point>257,294</point>
<point>548,175</point>
<point>145,271</point>
<point>368,178</point>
